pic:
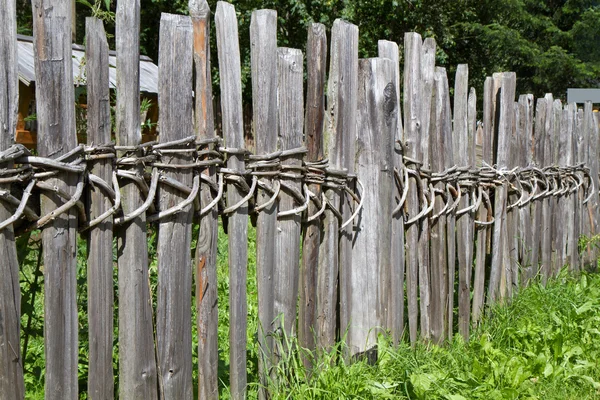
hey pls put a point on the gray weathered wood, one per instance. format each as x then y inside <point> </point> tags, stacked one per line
<point>500,263</point>
<point>441,132</point>
<point>290,105</point>
<point>539,135</point>
<point>56,136</point>
<point>206,247</point>
<point>412,125</point>
<point>100,239</point>
<point>590,214</point>
<point>525,132</point>
<point>233,133</point>
<point>314,119</point>
<point>557,223</point>
<point>263,46</point>
<point>137,360</point>
<point>342,91</point>
<point>173,311</point>
<point>11,363</point>
<point>483,232</point>
<point>512,215</point>
<point>546,240</point>
<point>574,229</point>
<point>395,276</point>
<point>464,149</point>
<point>566,205</point>
<point>376,128</point>
<point>427,78</point>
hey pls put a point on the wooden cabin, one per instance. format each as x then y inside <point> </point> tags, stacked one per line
<point>26,125</point>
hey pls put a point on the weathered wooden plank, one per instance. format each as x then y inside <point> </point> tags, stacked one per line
<point>483,232</point>
<point>512,215</point>
<point>341,99</point>
<point>536,206</point>
<point>263,46</point>
<point>574,230</point>
<point>173,311</point>
<point>578,156</point>
<point>11,362</point>
<point>427,77</point>
<point>590,226</point>
<point>314,120</point>
<point>290,105</point>
<point>465,157</point>
<point>546,243</point>
<point>557,223</point>
<point>206,247</point>
<point>395,276</point>
<point>100,239</point>
<point>137,360</point>
<point>376,119</point>
<point>233,133</point>
<point>500,262</point>
<point>412,124</point>
<point>525,132</point>
<point>56,136</point>
<point>441,132</point>
<point>566,206</point>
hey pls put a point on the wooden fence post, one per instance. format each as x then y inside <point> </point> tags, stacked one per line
<point>100,239</point>
<point>395,275</point>
<point>441,135</point>
<point>590,224</point>
<point>11,362</point>
<point>525,136</point>
<point>263,42</point>
<point>574,231</point>
<point>539,136</point>
<point>316,62</point>
<point>206,247</point>
<point>371,258</point>
<point>233,133</point>
<point>464,145</point>
<point>512,214</point>
<point>546,244</point>
<point>137,357</point>
<point>557,223</point>
<point>173,311</point>
<point>412,126</point>
<point>56,137</point>
<point>290,107</point>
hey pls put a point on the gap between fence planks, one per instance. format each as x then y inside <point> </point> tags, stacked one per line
<point>56,136</point>
<point>233,134</point>
<point>100,237</point>
<point>11,361</point>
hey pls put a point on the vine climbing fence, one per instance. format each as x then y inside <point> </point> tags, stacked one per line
<point>380,205</point>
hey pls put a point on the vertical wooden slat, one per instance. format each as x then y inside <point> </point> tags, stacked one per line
<point>394,295</point>
<point>56,136</point>
<point>537,205</point>
<point>427,77</point>
<point>574,230</point>
<point>206,247</point>
<point>290,104</point>
<point>557,223</point>
<point>233,133</point>
<point>463,149</point>
<point>100,239</point>
<point>173,311</point>
<point>590,216</point>
<point>566,206</point>
<point>11,363</point>
<point>341,100</point>
<point>500,263</point>
<point>376,119</point>
<point>137,360</point>
<point>525,132</point>
<point>263,46</point>
<point>314,120</point>
<point>482,214</point>
<point>546,244</point>
<point>441,132</point>
<point>412,125</point>
<point>512,215</point>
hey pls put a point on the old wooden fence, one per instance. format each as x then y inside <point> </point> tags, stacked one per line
<point>416,211</point>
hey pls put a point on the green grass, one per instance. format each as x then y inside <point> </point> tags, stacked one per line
<point>544,345</point>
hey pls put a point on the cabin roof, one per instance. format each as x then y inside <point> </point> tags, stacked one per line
<point>148,70</point>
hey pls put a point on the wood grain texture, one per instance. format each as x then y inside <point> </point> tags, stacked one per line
<point>342,103</point>
<point>233,133</point>
<point>566,204</point>
<point>56,136</point>
<point>464,149</point>
<point>376,129</point>
<point>100,237</point>
<point>314,120</point>
<point>525,133</point>
<point>137,357</point>
<point>557,223</point>
<point>206,247</point>
<point>546,239</point>
<point>441,133</point>
<point>173,311</point>
<point>590,215</point>
<point>394,291</point>
<point>11,363</point>
<point>412,134</point>
<point>263,51</point>
<point>290,105</point>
